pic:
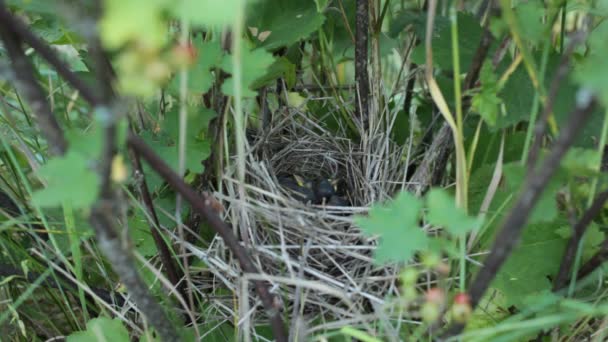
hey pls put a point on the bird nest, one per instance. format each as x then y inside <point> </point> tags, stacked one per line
<point>318,262</point>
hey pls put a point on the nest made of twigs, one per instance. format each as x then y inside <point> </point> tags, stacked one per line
<point>319,262</point>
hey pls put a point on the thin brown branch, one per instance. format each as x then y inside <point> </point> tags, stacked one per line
<point>541,124</point>
<point>595,262</point>
<point>119,255</point>
<point>46,52</point>
<point>204,206</point>
<point>32,91</point>
<point>577,234</point>
<point>161,245</point>
<point>102,214</point>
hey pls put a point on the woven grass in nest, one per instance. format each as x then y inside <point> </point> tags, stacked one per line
<point>318,261</point>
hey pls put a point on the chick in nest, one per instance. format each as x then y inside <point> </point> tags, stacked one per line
<point>321,191</point>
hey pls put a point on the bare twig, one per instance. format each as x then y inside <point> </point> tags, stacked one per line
<point>577,234</point>
<point>46,52</point>
<point>32,91</point>
<point>595,262</point>
<point>204,205</point>
<point>163,249</point>
<point>120,256</point>
<point>102,215</point>
<point>361,76</point>
<point>560,74</point>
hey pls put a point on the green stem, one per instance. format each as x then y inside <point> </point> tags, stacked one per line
<point>535,104</point>
<point>461,161</point>
<point>592,192</point>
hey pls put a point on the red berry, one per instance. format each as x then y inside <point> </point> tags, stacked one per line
<point>462,298</point>
<point>184,54</point>
<point>461,310</point>
<point>435,295</point>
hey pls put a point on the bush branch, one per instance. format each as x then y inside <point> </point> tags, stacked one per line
<point>577,234</point>
<point>534,185</point>
<point>32,91</point>
<point>204,206</point>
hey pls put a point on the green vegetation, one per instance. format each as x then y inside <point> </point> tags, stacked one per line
<point>328,170</point>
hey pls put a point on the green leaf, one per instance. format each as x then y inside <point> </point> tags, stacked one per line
<point>533,261</point>
<point>396,223</point>
<point>282,67</point>
<point>208,13</point>
<point>580,161</point>
<point>165,144</point>
<point>200,78</point>
<point>592,239</point>
<point>592,70</point>
<point>117,25</point>
<point>529,16</point>
<point>101,329</point>
<point>139,230</point>
<point>417,20</point>
<point>469,35</point>
<point>486,103</point>
<point>321,5</point>
<point>287,21</point>
<point>546,207</point>
<point>254,65</point>
<point>71,57</point>
<point>70,180</point>
<point>443,212</point>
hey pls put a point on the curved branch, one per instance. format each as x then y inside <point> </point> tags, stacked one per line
<point>32,91</point>
<point>204,206</point>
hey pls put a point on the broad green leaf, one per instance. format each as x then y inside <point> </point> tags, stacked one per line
<point>517,94</point>
<point>469,34</point>
<point>139,230</point>
<point>49,30</point>
<point>321,5</point>
<point>138,21</point>
<point>396,224</point>
<point>592,70</point>
<point>35,6</point>
<point>417,21</point>
<point>70,179</point>
<point>200,77</point>
<point>71,57</point>
<point>443,212</point>
<point>208,13</point>
<point>101,329</point>
<point>592,240</point>
<point>486,103</point>
<point>490,310</point>
<point>165,143</point>
<point>281,67</point>
<point>546,207</point>
<point>89,143</point>
<point>534,260</point>
<point>254,64</point>
<point>529,16</point>
<point>579,161</point>
<point>286,21</point>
